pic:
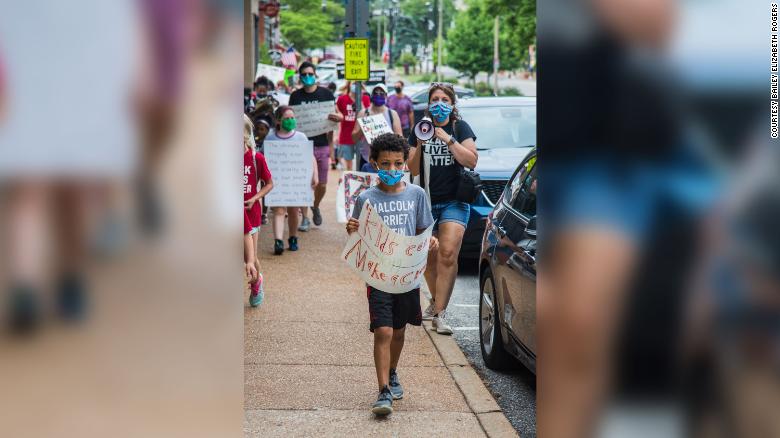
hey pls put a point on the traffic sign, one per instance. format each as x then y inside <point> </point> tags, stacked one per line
<point>356,63</point>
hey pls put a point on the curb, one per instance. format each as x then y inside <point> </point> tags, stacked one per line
<point>478,398</point>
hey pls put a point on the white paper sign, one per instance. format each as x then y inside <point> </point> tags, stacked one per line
<point>272,72</point>
<point>352,184</point>
<point>290,163</point>
<point>383,258</point>
<point>312,118</point>
<point>374,126</point>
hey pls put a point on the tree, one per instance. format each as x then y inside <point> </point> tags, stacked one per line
<point>306,31</point>
<point>518,23</point>
<point>307,26</point>
<point>470,41</point>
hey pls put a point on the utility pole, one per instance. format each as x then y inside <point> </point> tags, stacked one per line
<point>439,39</point>
<point>495,58</point>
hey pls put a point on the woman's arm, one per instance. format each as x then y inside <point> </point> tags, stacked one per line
<point>269,185</point>
<point>414,158</point>
<point>465,153</point>
<point>357,133</point>
<point>396,123</point>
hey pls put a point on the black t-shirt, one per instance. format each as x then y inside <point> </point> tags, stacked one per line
<point>443,172</point>
<point>321,94</point>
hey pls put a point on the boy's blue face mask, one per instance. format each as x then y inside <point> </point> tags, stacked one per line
<point>390,177</point>
<point>440,111</point>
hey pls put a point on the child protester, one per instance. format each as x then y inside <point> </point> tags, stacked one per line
<point>255,173</point>
<point>405,206</point>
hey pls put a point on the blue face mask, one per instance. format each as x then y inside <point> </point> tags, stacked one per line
<point>308,80</point>
<point>390,177</point>
<point>440,111</point>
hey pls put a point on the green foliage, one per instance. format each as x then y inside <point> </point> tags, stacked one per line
<point>483,89</point>
<point>406,58</point>
<point>509,91</point>
<point>306,31</point>
<point>307,27</point>
<point>264,57</point>
<point>470,42</point>
<point>518,24</point>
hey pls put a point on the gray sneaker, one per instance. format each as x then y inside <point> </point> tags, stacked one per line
<point>395,386</point>
<point>305,224</point>
<point>428,313</point>
<point>316,216</point>
<point>440,325</point>
<point>384,403</point>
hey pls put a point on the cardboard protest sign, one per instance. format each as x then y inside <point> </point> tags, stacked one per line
<point>312,118</point>
<point>290,163</point>
<point>272,72</point>
<point>383,258</point>
<point>352,184</point>
<point>374,126</point>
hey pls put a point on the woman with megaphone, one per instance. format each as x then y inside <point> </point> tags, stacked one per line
<point>442,145</point>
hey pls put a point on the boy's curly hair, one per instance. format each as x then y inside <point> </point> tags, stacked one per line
<point>389,142</point>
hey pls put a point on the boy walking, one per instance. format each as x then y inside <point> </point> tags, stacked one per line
<point>404,208</point>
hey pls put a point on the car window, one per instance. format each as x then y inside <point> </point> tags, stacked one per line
<point>513,188</point>
<point>502,126</point>
<point>524,201</point>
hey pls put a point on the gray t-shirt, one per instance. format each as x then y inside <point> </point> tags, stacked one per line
<point>404,212</point>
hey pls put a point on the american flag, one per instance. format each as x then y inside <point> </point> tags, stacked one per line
<point>288,58</point>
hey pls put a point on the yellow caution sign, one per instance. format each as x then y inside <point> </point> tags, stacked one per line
<point>356,62</point>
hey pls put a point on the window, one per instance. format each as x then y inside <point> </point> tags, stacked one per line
<point>523,191</point>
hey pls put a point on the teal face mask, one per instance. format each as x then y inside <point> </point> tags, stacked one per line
<point>308,80</point>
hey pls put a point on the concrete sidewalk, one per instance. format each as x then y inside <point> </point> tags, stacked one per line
<point>308,355</point>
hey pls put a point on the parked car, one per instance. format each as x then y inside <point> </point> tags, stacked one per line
<point>505,128</point>
<point>420,98</point>
<point>507,274</point>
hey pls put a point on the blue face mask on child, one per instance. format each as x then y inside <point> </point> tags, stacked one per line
<point>440,111</point>
<point>390,177</point>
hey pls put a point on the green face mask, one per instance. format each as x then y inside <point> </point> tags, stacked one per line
<point>288,124</point>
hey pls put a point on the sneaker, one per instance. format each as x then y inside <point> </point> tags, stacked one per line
<point>278,247</point>
<point>293,241</point>
<point>429,312</point>
<point>257,295</point>
<point>316,216</point>
<point>23,311</point>
<point>440,325</point>
<point>72,298</point>
<point>384,403</point>
<point>395,386</point>
<point>305,225</point>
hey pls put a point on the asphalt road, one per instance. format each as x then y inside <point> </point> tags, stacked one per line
<point>515,391</point>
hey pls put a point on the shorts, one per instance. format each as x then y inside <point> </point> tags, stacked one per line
<point>393,310</point>
<point>346,151</point>
<point>322,155</point>
<point>255,230</point>
<point>452,211</point>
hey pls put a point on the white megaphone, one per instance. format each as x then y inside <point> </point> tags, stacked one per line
<point>424,129</point>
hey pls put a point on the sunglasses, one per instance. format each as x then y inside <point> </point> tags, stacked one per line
<point>442,84</point>
<point>306,74</point>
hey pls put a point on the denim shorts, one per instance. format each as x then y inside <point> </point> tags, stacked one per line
<point>452,211</point>
<point>346,151</point>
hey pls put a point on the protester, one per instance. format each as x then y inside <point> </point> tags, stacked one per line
<point>378,100</point>
<point>402,104</point>
<point>255,173</point>
<point>285,131</point>
<point>312,93</point>
<point>345,105</point>
<point>438,163</point>
<point>390,312</point>
<point>249,255</point>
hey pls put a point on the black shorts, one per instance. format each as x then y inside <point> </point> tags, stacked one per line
<point>393,310</point>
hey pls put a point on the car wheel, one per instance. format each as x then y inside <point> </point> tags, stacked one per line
<point>492,345</point>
